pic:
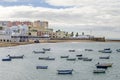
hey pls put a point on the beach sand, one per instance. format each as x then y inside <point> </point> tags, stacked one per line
<point>8,44</point>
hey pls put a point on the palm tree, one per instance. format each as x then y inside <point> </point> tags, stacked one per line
<point>72,34</point>
<point>77,34</point>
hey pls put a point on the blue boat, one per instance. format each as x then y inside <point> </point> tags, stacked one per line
<point>102,66</point>
<point>7,59</point>
<point>65,71</point>
<point>41,67</point>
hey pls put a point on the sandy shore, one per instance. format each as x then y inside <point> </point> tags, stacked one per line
<point>57,41</point>
<point>5,44</point>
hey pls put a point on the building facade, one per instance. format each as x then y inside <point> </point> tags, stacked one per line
<point>14,34</point>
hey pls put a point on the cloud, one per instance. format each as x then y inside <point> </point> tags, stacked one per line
<point>82,15</point>
<point>9,0</point>
<point>75,15</point>
<point>82,2</point>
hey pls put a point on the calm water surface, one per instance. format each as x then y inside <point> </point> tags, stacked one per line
<point>25,69</point>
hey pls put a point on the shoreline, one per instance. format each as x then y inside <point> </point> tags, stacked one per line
<point>9,44</point>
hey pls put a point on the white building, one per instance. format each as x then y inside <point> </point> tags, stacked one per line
<point>14,33</point>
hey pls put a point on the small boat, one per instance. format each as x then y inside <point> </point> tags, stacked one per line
<point>16,57</point>
<point>64,56</point>
<point>107,57</point>
<point>118,50</point>
<point>41,67</point>
<point>99,71</point>
<point>46,49</point>
<point>37,52</point>
<point>107,64</point>
<point>43,58</point>
<point>80,58</point>
<point>71,50</point>
<point>71,59</point>
<point>88,50</point>
<point>7,59</point>
<point>65,71</point>
<point>104,65</point>
<point>107,50</point>
<point>79,55</point>
<point>87,59</point>
<point>48,58</point>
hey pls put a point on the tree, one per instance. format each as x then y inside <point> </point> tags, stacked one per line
<point>77,34</point>
<point>72,34</point>
<point>66,34</point>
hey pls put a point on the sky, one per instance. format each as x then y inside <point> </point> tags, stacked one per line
<point>94,17</point>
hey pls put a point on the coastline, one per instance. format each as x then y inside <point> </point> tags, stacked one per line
<point>8,44</point>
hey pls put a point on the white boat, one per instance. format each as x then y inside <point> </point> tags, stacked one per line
<point>65,71</point>
<point>99,71</point>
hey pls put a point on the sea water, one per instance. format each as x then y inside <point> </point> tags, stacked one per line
<point>25,69</point>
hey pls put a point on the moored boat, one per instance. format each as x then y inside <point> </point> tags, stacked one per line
<point>46,49</point>
<point>104,65</point>
<point>80,58</point>
<point>107,64</point>
<point>72,50</point>
<point>65,71</point>
<point>71,59</point>
<point>106,57</point>
<point>64,56</point>
<point>99,71</point>
<point>41,67</point>
<point>37,52</point>
<point>6,59</point>
<point>107,50</point>
<point>87,59</point>
<point>16,57</point>
<point>79,55</point>
<point>118,50</point>
<point>42,58</point>
<point>48,58</point>
<point>88,50</point>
